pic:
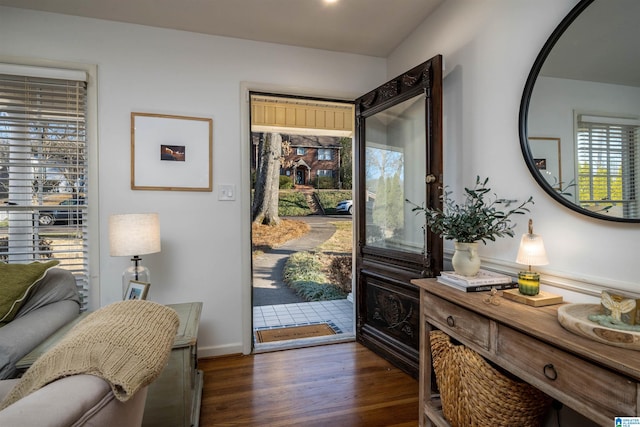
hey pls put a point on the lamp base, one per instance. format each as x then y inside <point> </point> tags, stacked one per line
<point>529,283</point>
<point>540,300</point>
<point>136,272</point>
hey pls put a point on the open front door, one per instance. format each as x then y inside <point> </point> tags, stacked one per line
<point>398,157</point>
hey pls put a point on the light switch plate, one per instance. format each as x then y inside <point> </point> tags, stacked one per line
<point>226,192</point>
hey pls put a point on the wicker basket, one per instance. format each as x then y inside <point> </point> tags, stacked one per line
<point>475,394</point>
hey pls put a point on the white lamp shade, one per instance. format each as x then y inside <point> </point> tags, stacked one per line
<point>134,234</point>
<point>532,250</point>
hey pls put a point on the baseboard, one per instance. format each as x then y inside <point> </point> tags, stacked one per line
<point>220,350</point>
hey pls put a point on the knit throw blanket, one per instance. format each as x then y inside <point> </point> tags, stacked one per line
<point>126,343</point>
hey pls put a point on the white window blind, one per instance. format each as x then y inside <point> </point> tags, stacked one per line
<point>43,172</point>
<point>607,153</point>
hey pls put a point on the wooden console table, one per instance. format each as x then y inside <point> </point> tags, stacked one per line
<point>596,380</point>
<point>174,398</point>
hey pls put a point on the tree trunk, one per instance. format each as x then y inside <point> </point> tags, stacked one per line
<point>265,199</point>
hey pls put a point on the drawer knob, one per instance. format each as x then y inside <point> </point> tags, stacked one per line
<point>550,372</point>
<point>451,321</point>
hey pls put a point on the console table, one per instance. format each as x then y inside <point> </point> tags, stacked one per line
<point>174,398</point>
<point>596,380</point>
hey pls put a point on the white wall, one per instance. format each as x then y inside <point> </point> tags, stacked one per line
<point>143,69</point>
<point>489,47</point>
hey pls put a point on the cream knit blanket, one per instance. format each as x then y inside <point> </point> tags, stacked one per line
<point>126,343</point>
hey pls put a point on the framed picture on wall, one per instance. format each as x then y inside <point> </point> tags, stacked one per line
<point>137,290</point>
<point>546,156</point>
<point>171,153</point>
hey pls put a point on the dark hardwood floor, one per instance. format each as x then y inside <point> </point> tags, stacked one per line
<point>334,385</point>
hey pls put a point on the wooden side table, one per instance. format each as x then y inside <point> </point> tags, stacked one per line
<point>174,397</point>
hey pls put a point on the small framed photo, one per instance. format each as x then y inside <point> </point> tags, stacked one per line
<point>137,290</point>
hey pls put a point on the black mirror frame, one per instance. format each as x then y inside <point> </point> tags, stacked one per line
<point>524,111</point>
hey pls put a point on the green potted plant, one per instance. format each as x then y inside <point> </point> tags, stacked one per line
<point>476,219</point>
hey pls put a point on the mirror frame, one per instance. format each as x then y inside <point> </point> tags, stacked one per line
<point>524,112</point>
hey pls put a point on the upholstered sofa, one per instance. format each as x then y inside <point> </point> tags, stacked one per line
<point>98,373</point>
<point>47,300</point>
<point>78,400</point>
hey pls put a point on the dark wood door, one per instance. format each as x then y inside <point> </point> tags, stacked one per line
<point>398,157</point>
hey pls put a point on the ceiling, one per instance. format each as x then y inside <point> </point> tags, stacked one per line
<point>367,27</point>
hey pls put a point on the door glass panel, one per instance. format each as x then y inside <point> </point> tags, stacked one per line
<point>395,167</point>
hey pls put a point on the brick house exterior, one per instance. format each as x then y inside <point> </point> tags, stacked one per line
<point>308,158</point>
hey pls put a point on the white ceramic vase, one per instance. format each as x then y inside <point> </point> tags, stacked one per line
<point>465,258</point>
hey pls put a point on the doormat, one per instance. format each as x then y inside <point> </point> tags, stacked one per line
<point>294,332</point>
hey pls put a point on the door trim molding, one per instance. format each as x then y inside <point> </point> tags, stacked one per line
<point>245,185</point>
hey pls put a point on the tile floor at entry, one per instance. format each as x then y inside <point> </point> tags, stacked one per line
<point>337,312</point>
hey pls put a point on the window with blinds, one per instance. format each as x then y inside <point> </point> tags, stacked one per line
<point>607,154</point>
<point>43,173</point>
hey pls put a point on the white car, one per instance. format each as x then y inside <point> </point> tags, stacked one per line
<point>345,206</point>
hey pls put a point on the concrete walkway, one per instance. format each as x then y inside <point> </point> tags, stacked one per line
<point>275,305</point>
<point>268,286</point>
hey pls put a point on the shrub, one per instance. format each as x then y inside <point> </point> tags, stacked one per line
<point>286,183</point>
<point>303,266</point>
<point>312,291</point>
<point>292,203</point>
<point>340,272</point>
<point>303,274</point>
<point>325,182</point>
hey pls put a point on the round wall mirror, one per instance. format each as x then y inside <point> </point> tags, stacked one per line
<point>580,111</point>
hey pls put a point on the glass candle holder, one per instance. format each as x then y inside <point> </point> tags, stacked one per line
<point>529,283</point>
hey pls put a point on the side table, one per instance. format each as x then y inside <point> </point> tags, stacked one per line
<point>174,398</point>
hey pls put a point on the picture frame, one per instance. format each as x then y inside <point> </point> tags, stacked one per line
<point>547,158</point>
<point>171,153</point>
<point>137,290</point>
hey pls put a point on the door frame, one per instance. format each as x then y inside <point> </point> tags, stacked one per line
<point>245,184</point>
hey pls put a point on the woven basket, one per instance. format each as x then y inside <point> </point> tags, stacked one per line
<point>475,394</point>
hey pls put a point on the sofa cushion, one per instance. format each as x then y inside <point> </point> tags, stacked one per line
<point>16,281</point>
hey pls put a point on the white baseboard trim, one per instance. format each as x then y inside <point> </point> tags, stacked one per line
<point>219,350</point>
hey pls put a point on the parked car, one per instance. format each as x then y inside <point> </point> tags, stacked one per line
<point>63,216</point>
<point>345,206</point>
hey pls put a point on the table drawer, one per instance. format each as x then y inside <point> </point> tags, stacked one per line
<point>605,392</point>
<point>457,321</point>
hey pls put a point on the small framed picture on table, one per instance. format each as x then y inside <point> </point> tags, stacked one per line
<point>137,290</point>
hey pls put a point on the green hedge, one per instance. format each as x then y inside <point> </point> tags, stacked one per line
<point>303,273</point>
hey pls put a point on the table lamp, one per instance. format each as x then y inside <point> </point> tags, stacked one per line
<point>531,252</point>
<point>134,235</point>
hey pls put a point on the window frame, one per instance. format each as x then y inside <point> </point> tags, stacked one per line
<point>325,154</point>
